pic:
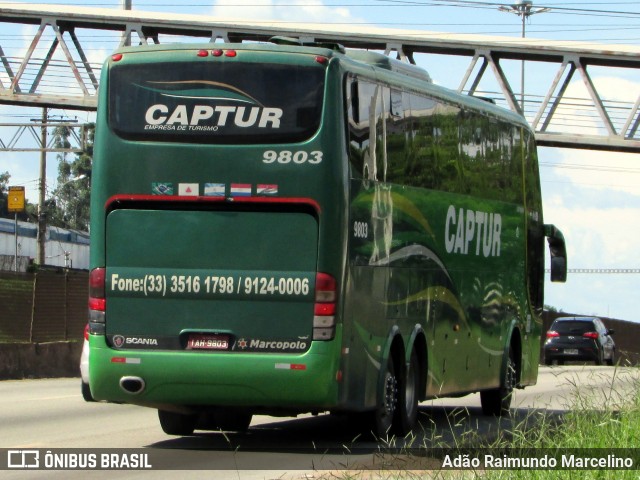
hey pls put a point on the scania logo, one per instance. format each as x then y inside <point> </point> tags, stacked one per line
<point>119,341</point>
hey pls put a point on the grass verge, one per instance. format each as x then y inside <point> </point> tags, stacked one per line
<point>595,421</point>
<point>607,420</point>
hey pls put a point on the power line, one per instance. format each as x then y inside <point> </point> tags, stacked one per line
<point>599,271</point>
<point>597,168</point>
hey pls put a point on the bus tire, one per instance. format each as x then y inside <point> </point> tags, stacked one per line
<point>407,411</point>
<point>387,401</point>
<point>496,402</point>
<point>173,423</point>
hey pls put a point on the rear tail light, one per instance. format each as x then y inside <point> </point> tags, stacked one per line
<point>324,311</point>
<point>218,52</point>
<point>552,334</point>
<point>593,335</point>
<point>86,332</point>
<point>97,300</point>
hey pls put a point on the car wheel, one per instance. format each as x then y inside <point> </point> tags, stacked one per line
<point>177,423</point>
<point>612,360</point>
<point>497,401</point>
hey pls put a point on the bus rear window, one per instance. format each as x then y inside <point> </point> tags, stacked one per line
<point>215,102</point>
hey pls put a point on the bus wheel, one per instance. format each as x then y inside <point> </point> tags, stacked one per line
<point>177,423</point>
<point>496,402</point>
<point>407,412</point>
<point>387,401</point>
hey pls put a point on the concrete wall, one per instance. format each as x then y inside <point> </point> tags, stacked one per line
<point>40,360</point>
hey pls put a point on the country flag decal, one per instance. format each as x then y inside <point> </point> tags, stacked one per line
<point>188,189</point>
<point>266,189</point>
<point>162,188</point>
<point>214,189</point>
<point>240,189</point>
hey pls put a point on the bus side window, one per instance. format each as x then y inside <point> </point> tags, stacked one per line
<point>421,132</point>
<point>366,130</point>
<point>354,102</point>
<point>380,111</point>
<point>357,117</point>
<point>535,227</point>
<point>397,141</point>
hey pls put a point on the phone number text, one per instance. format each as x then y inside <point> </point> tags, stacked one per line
<point>164,285</point>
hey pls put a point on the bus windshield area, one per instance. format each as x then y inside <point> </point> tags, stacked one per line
<point>213,103</point>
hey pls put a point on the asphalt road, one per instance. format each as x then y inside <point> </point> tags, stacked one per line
<point>51,414</point>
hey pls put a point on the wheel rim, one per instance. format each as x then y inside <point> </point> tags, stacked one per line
<point>390,394</point>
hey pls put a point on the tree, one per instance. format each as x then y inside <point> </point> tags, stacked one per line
<point>4,188</point>
<point>68,205</point>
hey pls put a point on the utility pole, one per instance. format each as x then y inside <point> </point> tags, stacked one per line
<point>524,9</point>
<point>42,215</point>
<point>126,5</point>
<point>44,122</point>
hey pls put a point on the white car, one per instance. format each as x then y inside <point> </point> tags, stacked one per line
<point>84,367</point>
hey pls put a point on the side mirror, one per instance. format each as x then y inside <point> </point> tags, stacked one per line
<point>558,252</point>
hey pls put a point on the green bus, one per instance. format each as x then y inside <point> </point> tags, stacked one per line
<point>284,228</point>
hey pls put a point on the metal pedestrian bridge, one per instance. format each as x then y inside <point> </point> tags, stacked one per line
<point>58,65</point>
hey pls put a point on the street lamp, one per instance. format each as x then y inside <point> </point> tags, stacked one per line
<point>73,179</point>
<point>524,9</point>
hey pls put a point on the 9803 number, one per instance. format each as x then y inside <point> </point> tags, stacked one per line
<point>287,156</point>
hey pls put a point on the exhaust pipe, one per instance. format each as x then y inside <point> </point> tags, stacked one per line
<point>133,385</point>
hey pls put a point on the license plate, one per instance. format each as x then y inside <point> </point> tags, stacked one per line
<point>571,351</point>
<point>208,342</point>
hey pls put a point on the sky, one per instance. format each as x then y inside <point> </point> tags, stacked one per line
<point>592,196</point>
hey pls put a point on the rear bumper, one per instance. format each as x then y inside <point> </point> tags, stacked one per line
<point>558,353</point>
<point>301,382</point>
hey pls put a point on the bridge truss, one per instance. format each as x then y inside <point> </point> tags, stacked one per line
<point>60,66</point>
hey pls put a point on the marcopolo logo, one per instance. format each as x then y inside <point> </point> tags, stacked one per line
<point>259,345</point>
